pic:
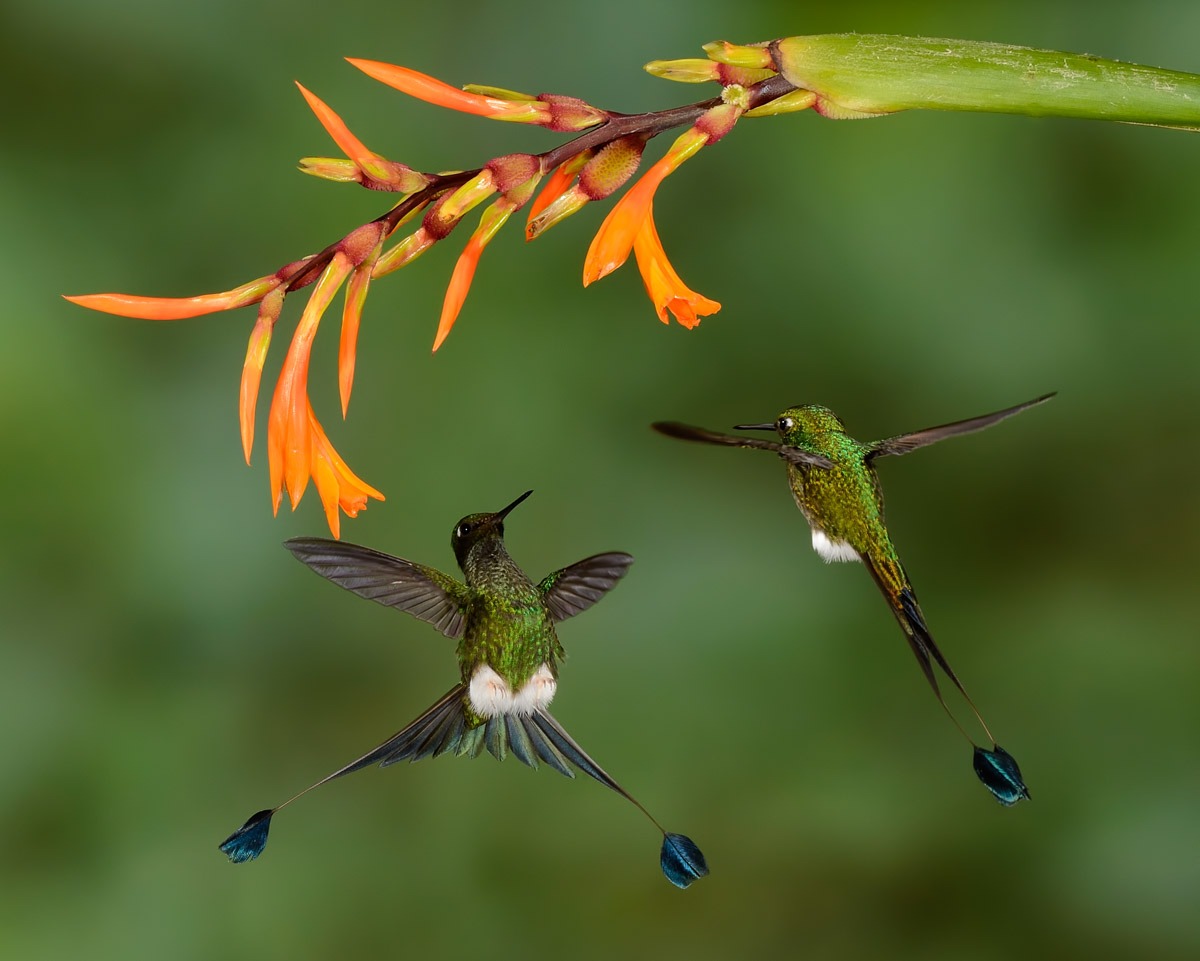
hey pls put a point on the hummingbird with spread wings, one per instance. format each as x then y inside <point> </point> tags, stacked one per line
<point>508,654</point>
<point>834,483</point>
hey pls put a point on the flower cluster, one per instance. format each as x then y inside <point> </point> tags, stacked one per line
<point>602,158</point>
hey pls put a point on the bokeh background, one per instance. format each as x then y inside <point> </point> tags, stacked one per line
<point>166,668</point>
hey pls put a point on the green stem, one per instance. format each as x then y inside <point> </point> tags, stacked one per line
<point>870,74</point>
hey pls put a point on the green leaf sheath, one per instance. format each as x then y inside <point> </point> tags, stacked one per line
<point>871,74</point>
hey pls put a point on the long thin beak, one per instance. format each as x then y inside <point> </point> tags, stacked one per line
<point>504,513</point>
<point>753,426</point>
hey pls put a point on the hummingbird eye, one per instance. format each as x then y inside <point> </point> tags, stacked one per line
<point>463,529</point>
<point>785,423</point>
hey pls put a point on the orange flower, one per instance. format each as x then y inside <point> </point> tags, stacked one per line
<point>555,186</point>
<point>252,367</point>
<point>613,241</point>
<point>666,289</point>
<point>464,270</point>
<point>177,308</point>
<point>337,485</point>
<point>426,88</point>
<point>374,170</point>
<point>289,446</point>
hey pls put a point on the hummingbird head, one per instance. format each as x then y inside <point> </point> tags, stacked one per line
<point>480,529</point>
<point>798,424</point>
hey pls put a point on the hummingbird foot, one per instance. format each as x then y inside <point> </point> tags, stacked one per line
<point>492,696</point>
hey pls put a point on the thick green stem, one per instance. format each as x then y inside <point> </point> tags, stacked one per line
<point>870,74</point>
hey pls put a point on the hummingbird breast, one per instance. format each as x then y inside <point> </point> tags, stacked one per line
<point>509,652</point>
<point>841,504</point>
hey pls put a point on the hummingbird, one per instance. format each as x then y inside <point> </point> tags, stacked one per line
<point>508,654</point>
<point>834,483</point>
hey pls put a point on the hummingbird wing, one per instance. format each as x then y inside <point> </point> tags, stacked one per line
<point>795,455</point>
<point>904,443</point>
<point>578,587</point>
<point>424,592</point>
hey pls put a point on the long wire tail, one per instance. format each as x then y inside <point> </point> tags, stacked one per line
<point>995,767</point>
<point>437,730</point>
<point>682,862</point>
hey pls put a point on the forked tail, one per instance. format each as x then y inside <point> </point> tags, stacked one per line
<point>996,768</point>
<point>445,729</point>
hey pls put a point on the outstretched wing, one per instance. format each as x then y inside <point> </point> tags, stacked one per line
<point>424,592</point>
<point>904,443</point>
<point>795,455</point>
<point>578,587</point>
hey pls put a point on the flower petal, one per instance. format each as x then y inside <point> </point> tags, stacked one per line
<point>667,291</point>
<point>356,297</point>
<point>256,355</point>
<point>434,91</point>
<point>177,308</point>
<point>338,486</point>
<point>350,145</point>
<point>556,185</point>
<point>613,241</point>
<point>288,441</point>
<point>464,270</point>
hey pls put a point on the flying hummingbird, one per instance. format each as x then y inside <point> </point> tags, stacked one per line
<point>508,654</point>
<point>834,483</point>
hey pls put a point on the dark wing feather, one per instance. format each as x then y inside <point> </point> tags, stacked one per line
<point>904,443</point>
<point>423,592</point>
<point>795,455</point>
<point>578,587</point>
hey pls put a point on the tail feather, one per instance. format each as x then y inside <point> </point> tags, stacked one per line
<point>445,728</point>
<point>894,584</point>
<point>518,741</point>
<point>547,751</point>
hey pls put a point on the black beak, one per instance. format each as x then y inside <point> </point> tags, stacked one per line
<point>754,427</point>
<point>501,514</point>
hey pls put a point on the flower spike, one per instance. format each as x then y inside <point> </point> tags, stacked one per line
<point>840,76</point>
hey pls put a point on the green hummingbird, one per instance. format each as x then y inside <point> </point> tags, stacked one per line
<point>833,480</point>
<point>508,654</point>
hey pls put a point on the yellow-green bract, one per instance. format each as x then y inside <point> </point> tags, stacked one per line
<point>871,74</point>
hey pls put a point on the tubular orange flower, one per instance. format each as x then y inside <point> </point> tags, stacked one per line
<point>256,356</point>
<point>356,297</point>
<point>464,270</point>
<point>372,169</point>
<point>288,441</point>
<point>431,90</point>
<point>337,485</point>
<point>556,185</point>
<point>663,284</point>
<point>613,241</point>
<point>351,146</point>
<point>177,308</point>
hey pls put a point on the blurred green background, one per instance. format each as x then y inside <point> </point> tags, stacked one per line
<point>166,668</point>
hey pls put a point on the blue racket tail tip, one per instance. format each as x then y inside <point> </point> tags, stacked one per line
<point>682,862</point>
<point>248,841</point>
<point>998,771</point>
